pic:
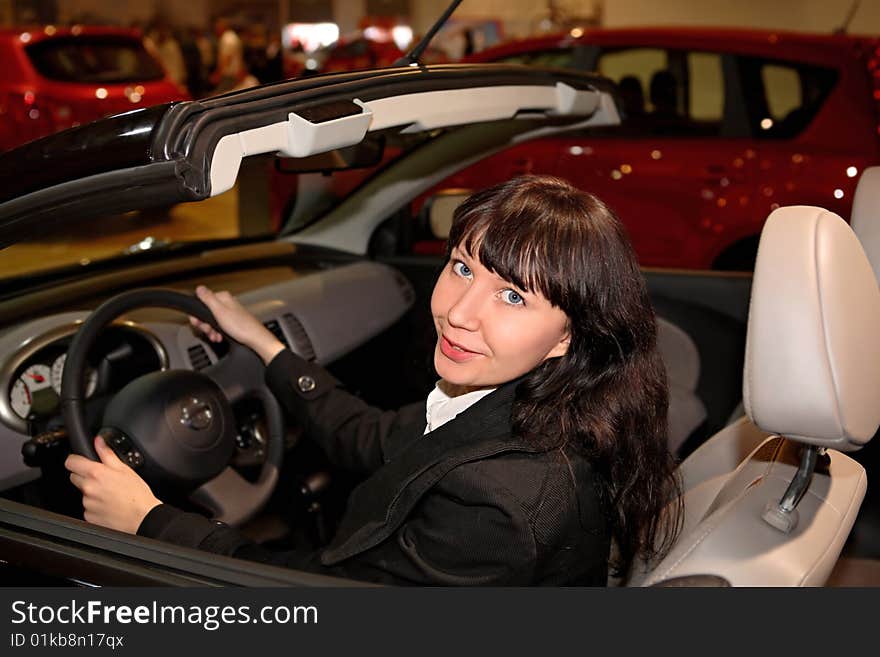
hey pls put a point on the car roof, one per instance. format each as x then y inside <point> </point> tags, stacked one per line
<point>38,33</point>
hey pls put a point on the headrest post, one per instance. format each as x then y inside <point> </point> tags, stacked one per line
<point>783,515</point>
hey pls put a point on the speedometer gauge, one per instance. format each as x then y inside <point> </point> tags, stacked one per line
<point>33,393</point>
<point>20,399</point>
<point>58,373</point>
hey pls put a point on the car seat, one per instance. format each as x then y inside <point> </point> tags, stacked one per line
<point>687,412</point>
<point>811,378</point>
<point>740,436</point>
<point>632,96</point>
<point>722,452</point>
<point>663,94</point>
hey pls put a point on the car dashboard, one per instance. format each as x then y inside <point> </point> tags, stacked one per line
<point>321,316</point>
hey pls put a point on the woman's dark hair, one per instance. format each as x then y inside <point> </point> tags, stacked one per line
<point>607,396</point>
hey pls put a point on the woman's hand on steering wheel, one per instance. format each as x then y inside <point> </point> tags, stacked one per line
<point>237,322</point>
<point>114,495</point>
<point>176,426</point>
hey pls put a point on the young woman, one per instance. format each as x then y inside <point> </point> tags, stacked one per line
<point>543,444</point>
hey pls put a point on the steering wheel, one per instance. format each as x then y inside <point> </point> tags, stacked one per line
<point>176,427</point>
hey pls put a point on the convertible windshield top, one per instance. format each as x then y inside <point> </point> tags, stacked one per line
<point>128,177</point>
<point>235,217</point>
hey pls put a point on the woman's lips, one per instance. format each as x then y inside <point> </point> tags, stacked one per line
<point>454,352</point>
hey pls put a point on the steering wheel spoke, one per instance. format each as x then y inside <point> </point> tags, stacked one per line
<point>238,373</point>
<point>226,496</point>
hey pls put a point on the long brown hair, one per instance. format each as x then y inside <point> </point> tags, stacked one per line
<point>607,396</point>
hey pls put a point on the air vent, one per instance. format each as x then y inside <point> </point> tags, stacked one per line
<point>198,357</point>
<point>301,342</point>
<point>275,327</point>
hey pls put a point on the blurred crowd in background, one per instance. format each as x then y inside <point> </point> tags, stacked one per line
<point>209,62</point>
<point>238,54</point>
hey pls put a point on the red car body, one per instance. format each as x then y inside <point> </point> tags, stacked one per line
<point>739,122</point>
<point>57,78</point>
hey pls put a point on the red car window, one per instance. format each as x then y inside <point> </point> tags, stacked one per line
<point>783,96</point>
<point>94,59</point>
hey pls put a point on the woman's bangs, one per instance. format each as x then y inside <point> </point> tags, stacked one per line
<point>534,233</point>
<point>517,251</point>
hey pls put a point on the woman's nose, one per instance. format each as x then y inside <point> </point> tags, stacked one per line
<point>465,311</point>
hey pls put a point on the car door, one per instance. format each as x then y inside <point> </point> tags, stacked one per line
<point>43,548</point>
<point>806,154</point>
<point>679,166</point>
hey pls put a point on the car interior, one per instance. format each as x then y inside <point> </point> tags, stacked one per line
<point>772,497</point>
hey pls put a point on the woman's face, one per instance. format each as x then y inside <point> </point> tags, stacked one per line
<point>490,332</point>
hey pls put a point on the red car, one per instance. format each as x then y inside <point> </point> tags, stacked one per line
<point>721,126</point>
<point>56,78</point>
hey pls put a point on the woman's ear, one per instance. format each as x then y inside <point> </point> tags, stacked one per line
<point>561,347</point>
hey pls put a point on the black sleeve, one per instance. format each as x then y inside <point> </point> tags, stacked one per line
<point>447,542</point>
<point>352,433</point>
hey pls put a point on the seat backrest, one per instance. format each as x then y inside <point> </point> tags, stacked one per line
<point>632,95</point>
<point>810,384</point>
<point>682,360</point>
<point>663,93</point>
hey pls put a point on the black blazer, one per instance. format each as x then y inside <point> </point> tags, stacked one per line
<point>467,504</point>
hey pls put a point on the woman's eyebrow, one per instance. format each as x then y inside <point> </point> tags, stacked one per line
<point>461,254</point>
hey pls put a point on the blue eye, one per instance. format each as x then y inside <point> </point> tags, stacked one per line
<point>513,298</point>
<point>462,269</point>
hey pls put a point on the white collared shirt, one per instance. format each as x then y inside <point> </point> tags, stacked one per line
<point>440,407</point>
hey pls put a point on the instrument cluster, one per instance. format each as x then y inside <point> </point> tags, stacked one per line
<point>37,391</point>
<point>32,377</point>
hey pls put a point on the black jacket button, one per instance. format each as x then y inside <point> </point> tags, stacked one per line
<point>306,383</point>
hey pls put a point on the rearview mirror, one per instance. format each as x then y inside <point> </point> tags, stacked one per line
<point>367,153</point>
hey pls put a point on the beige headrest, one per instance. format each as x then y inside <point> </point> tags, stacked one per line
<point>812,368</point>
<point>865,219</point>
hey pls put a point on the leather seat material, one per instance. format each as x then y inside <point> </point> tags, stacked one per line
<point>687,411</point>
<point>759,464</point>
<point>722,453</point>
<point>714,492</point>
<point>812,358</point>
<point>679,354</point>
<point>704,481</point>
<point>720,345</point>
<point>733,540</point>
<point>686,414</point>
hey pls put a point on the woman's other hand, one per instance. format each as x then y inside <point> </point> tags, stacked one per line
<point>114,495</point>
<point>237,322</point>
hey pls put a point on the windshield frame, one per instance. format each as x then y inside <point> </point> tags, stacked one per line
<point>165,155</point>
